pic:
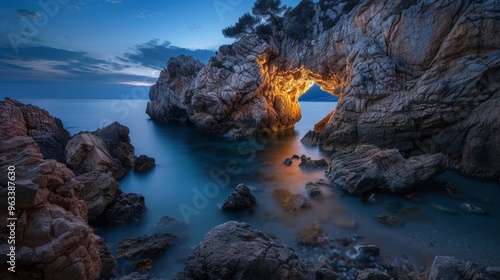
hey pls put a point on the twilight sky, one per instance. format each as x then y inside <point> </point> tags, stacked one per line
<point>103,48</point>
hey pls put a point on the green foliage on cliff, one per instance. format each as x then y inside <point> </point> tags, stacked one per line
<point>245,24</point>
<point>267,8</point>
<point>299,19</point>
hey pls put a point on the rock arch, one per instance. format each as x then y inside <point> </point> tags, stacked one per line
<point>414,77</point>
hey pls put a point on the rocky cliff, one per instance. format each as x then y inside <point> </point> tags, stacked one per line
<point>417,75</point>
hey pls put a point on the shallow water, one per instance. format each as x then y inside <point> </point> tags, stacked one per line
<point>188,161</point>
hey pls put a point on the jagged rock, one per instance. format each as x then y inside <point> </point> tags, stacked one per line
<point>235,251</point>
<point>363,252</point>
<point>413,78</point>
<point>240,199</point>
<point>98,192</point>
<point>26,120</point>
<point>469,207</point>
<point>171,225</point>
<point>126,207</point>
<point>372,274</point>
<point>313,190</point>
<point>452,268</point>
<point>53,239</point>
<point>325,272</point>
<point>313,164</point>
<point>107,260</point>
<point>86,152</point>
<point>389,220</point>
<point>146,245</point>
<point>312,235</point>
<point>144,163</point>
<point>369,168</point>
<point>116,138</point>
<point>291,202</point>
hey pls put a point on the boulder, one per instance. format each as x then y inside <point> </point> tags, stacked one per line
<point>116,138</point>
<point>234,250</point>
<point>144,163</point>
<point>99,190</point>
<point>291,202</point>
<point>311,164</point>
<point>444,268</point>
<point>368,168</point>
<point>240,199</point>
<point>144,246</point>
<point>127,207</point>
<point>86,152</point>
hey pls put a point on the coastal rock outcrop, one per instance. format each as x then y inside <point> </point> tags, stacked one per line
<point>418,76</point>
<point>145,245</point>
<point>99,190</point>
<point>107,149</point>
<point>144,163</point>
<point>235,251</point>
<point>27,120</point>
<point>126,207</point>
<point>368,168</point>
<point>53,239</point>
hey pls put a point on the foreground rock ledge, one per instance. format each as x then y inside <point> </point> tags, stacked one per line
<point>234,250</point>
<point>368,168</point>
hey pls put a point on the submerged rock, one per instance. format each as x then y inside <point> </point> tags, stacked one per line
<point>171,225</point>
<point>452,268</point>
<point>313,235</point>
<point>345,223</point>
<point>235,251</point>
<point>364,252</point>
<point>369,168</point>
<point>240,199</point>
<point>144,163</point>
<point>144,246</point>
<point>291,202</point>
<point>313,190</point>
<point>389,220</point>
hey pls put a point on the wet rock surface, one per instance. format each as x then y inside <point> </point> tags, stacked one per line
<point>368,168</point>
<point>235,251</point>
<point>451,268</point>
<point>144,163</point>
<point>144,246</point>
<point>240,199</point>
<point>127,207</point>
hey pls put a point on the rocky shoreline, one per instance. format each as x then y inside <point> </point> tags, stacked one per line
<point>60,200</point>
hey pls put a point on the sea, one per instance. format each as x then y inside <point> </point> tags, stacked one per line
<point>196,172</point>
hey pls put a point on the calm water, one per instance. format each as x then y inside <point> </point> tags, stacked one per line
<point>190,162</point>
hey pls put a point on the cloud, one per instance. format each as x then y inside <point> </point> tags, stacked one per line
<point>114,1</point>
<point>148,14</point>
<point>27,13</point>
<point>154,54</point>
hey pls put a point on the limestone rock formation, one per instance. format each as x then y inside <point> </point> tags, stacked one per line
<point>240,199</point>
<point>235,251</point>
<point>368,168</point>
<point>419,76</point>
<point>99,190</point>
<point>452,268</point>
<point>53,239</point>
<point>48,132</point>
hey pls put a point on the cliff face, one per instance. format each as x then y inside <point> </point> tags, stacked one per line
<point>420,76</point>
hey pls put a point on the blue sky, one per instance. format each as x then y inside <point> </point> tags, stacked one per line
<point>96,48</point>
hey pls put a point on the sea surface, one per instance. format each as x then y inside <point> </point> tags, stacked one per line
<point>197,172</point>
